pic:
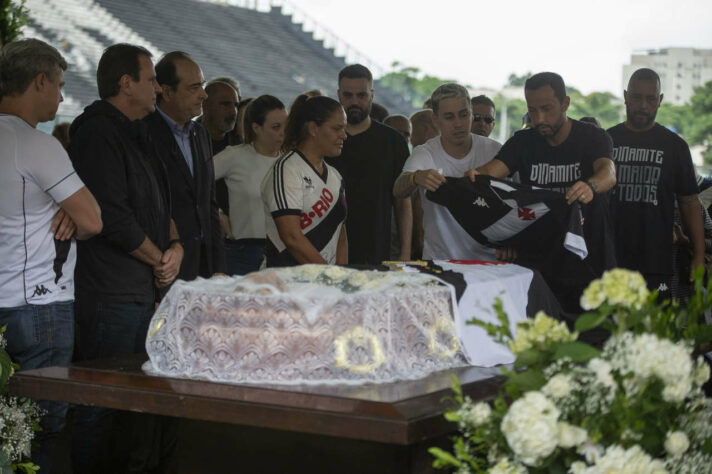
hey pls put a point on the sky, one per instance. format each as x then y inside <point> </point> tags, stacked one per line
<point>480,43</point>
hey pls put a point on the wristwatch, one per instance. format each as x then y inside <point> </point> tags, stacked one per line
<point>592,184</point>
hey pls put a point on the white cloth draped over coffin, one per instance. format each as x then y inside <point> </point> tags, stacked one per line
<point>327,324</point>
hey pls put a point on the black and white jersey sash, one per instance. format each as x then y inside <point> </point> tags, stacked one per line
<point>500,213</point>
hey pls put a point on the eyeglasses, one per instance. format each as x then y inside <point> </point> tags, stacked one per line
<point>487,118</point>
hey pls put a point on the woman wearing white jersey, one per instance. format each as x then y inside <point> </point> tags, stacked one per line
<point>305,204</point>
<point>244,167</point>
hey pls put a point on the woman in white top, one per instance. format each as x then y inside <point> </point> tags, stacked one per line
<point>243,167</point>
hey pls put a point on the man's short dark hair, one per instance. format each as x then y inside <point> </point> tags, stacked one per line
<point>551,79</point>
<point>356,71</point>
<point>483,100</point>
<point>644,74</point>
<point>166,72</point>
<point>117,60</point>
<point>21,61</point>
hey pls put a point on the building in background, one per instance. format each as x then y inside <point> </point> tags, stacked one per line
<point>680,70</point>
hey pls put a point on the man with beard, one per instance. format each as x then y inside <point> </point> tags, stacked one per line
<point>573,158</point>
<point>185,149</point>
<point>371,160</point>
<point>654,168</point>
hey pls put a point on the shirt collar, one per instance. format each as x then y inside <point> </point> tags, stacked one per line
<point>174,126</point>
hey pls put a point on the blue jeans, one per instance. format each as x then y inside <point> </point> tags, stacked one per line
<point>42,336</point>
<point>101,436</point>
<point>243,256</point>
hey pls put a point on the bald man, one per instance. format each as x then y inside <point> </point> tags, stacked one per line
<point>423,127</point>
<point>219,118</point>
<point>401,124</point>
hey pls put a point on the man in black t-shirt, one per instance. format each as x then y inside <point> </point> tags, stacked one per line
<point>573,158</point>
<point>371,160</point>
<point>653,168</point>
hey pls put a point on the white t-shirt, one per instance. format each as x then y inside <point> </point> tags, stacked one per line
<point>293,187</point>
<point>35,174</point>
<point>444,238</point>
<point>244,169</point>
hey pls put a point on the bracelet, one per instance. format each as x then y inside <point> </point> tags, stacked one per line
<point>412,179</point>
<point>175,241</point>
<point>592,184</point>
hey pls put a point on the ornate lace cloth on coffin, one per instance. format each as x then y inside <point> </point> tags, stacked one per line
<point>311,324</point>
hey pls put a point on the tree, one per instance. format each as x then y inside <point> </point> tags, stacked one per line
<point>604,106</point>
<point>411,83</point>
<point>701,119</point>
<point>13,16</point>
<point>679,118</point>
<point>518,81</point>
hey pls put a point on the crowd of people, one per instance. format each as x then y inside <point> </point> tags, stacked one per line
<point>98,233</point>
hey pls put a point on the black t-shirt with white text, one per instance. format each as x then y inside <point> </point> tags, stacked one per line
<point>369,163</point>
<point>558,168</point>
<point>652,167</point>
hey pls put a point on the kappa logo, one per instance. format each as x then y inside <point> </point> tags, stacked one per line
<point>308,182</point>
<point>480,201</point>
<point>40,290</point>
<point>663,287</point>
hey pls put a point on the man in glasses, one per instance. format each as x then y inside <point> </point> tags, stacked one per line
<point>483,114</point>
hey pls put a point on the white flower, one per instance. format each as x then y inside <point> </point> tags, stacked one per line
<point>540,333</point>
<point>591,452</point>
<point>530,427</point>
<point>619,460</point>
<point>676,443</point>
<point>646,356</point>
<point>478,414</point>
<point>505,466</point>
<point>677,391</point>
<point>618,287</point>
<point>602,369</point>
<point>559,386</point>
<point>571,436</point>
<point>702,371</point>
<point>335,272</point>
<point>578,467</point>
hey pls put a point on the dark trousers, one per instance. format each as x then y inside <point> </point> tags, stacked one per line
<point>243,256</point>
<point>107,440</point>
<point>42,336</point>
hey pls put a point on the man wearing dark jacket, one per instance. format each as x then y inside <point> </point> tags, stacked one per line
<point>184,148</point>
<point>120,272</point>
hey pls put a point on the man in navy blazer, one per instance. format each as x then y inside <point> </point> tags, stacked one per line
<point>184,147</point>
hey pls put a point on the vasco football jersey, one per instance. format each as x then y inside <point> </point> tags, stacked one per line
<point>506,214</point>
<point>294,187</point>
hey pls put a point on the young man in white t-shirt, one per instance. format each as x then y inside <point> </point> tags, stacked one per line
<point>43,206</point>
<point>454,152</point>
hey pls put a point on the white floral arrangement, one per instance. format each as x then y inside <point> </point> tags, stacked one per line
<point>19,420</point>
<point>635,406</point>
<point>350,280</point>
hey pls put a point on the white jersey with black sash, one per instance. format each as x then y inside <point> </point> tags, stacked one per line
<point>293,187</point>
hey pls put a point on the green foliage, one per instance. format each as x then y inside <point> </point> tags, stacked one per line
<point>604,106</point>
<point>701,126</point>
<point>411,83</point>
<point>515,80</point>
<point>13,16</point>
